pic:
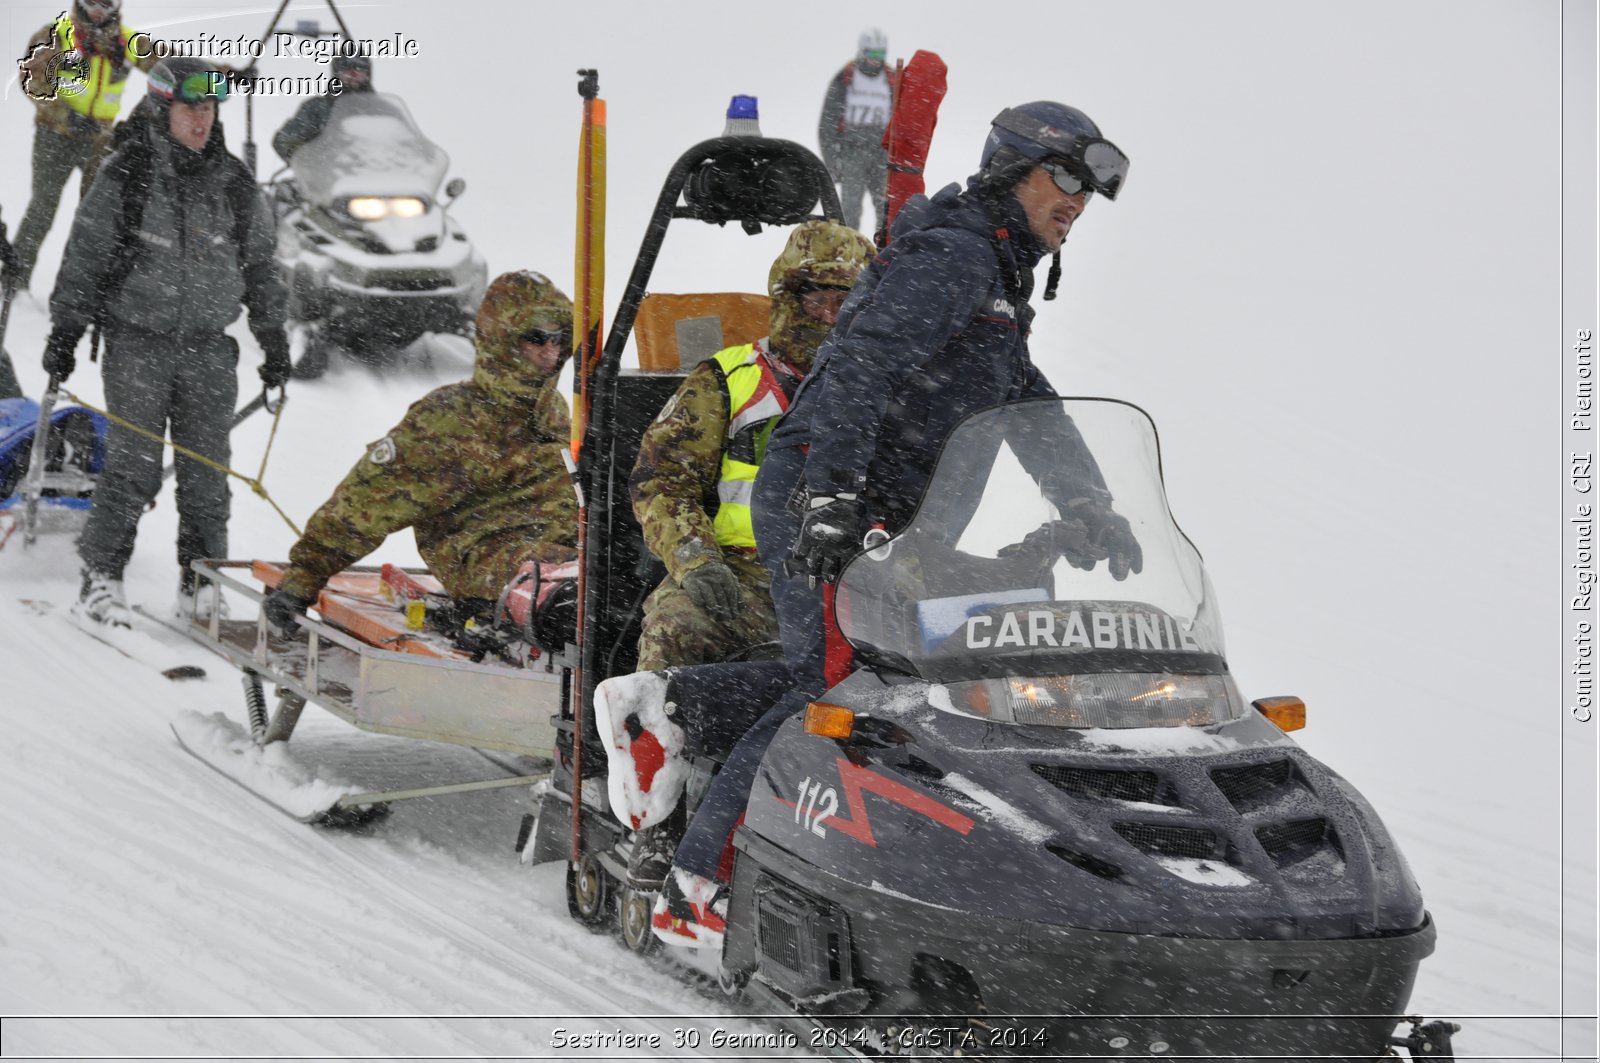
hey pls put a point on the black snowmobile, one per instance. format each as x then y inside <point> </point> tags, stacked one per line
<point>371,255</point>
<point>1039,819</point>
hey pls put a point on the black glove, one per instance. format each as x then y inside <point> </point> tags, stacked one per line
<point>830,534</point>
<point>1053,539</point>
<point>281,608</point>
<point>1110,535</point>
<point>275,370</point>
<point>59,359</point>
<point>715,588</point>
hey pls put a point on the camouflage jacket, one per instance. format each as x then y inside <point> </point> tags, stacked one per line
<point>475,469</point>
<point>674,482</point>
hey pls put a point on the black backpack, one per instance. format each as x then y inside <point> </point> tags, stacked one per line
<point>131,161</point>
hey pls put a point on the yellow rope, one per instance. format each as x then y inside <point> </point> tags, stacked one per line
<point>255,484</point>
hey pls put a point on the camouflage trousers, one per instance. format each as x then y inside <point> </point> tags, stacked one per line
<point>677,632</point>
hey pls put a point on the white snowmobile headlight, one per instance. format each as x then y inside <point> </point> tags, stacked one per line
<point>367,208</point>
<point>1104,699</point>
<point>407,207</point>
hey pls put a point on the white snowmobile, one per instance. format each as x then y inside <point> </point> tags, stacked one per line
<point>369,250</point>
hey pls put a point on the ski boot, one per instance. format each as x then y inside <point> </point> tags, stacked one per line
<point>101,600</point>
<point>691,911</point>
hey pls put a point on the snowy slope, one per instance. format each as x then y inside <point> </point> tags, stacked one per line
<point>1319,284</point>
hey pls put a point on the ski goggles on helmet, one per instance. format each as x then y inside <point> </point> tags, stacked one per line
<point>196,88</point>
<point>539,336</point>
<point>877,55</point>
<point>1067,177</point>
<point>1092,160</point>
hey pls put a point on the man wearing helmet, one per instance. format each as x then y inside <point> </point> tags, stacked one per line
<point>171,240</point>
<point>855,112</point>
<point>74,71</point>
<point>351,73</point>
<point>936,329</point>
<point>474,468</point>
<point>707,443</point>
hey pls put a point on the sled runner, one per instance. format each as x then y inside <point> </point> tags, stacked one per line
<point>49,492</point>
<point>369,659</point>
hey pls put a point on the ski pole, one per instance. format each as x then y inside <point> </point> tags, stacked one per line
<point>33,484</point>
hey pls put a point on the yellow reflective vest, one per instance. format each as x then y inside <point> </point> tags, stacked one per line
<point>756,399</point>
<point>94,90</point>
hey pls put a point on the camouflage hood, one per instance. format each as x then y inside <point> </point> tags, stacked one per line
<point>515,303</point>
<point>818,254</point>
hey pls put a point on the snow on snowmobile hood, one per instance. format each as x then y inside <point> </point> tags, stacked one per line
<point>514,303</point>
<point>371,146</point>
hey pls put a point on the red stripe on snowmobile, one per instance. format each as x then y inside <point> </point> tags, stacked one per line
<point>857,782</point>
<point>725,862</point>
<point>838,657</point>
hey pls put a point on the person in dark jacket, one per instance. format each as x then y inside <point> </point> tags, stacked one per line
<point>351,73</point>
<point>936,329</point>
<point>171,240</point>
<point>855,113</point>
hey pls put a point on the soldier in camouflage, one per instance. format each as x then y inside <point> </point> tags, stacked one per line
<point>708,442</point>
<point>475,469</point>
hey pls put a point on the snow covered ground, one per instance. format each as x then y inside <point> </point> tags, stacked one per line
<point>1329,281</point>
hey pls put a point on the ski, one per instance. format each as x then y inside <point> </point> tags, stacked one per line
<point>269,774</point>
<point>916,112</point>
<point>137,646</point>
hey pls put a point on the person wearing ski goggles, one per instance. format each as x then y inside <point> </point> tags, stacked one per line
<point>473,468</point>
<point>349,75</point>
<point>171,243</point>
<point>855,112</point>
<point>74,71</point>
<point>935,329</point>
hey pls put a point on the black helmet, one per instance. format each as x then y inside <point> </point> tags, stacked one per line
<point>1024,136</point>
<point>186,79</point>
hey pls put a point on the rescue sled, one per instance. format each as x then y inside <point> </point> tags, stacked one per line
<point>369,658</point>
<point>50,490</point>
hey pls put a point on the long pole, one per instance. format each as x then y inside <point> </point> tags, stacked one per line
<point>590,273</point>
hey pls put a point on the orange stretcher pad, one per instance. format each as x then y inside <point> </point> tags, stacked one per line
<point>369,605</point>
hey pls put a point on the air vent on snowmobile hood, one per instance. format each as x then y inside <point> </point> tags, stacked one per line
<point>515,303</point>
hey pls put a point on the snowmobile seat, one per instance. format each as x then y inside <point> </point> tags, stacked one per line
<point>675,333</point>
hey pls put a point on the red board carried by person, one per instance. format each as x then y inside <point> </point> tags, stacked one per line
<point>916,112</point>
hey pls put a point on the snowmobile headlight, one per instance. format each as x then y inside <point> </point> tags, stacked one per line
<point>1104,699</point>
<point>407,207</point>
<point>367,208</point>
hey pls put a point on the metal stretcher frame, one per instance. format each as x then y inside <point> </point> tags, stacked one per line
<point>436,699</point>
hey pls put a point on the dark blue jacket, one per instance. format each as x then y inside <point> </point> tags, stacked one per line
<point>935,329</point>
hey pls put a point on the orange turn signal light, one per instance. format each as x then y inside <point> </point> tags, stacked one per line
<point>1287,713</point>
<point>829,721</point>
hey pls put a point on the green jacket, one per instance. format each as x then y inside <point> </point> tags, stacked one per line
<point>475,469</point>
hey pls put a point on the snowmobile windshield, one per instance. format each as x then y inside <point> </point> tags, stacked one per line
<point>370,147</point>
<point>1004,567</point>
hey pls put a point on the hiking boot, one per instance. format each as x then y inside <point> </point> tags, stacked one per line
<point>690,911</point>
<point>651,858</point>
<point>198,607</point>
<point>100,599</point>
